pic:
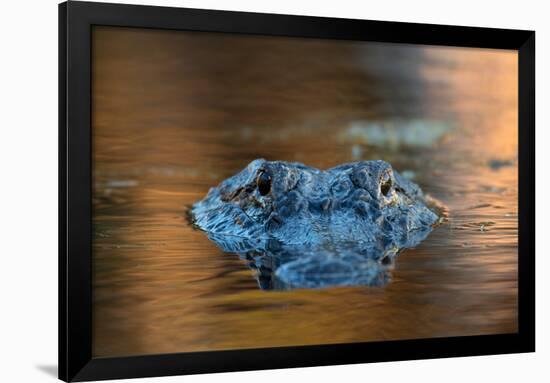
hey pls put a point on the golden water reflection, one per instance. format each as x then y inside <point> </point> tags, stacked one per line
<point>174,113</point>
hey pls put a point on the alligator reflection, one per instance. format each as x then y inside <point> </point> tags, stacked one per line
<point>283,267</point>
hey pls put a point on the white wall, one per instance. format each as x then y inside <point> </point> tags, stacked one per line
<point>28,161</point>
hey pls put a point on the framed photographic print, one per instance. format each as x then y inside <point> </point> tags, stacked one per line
<point>249,191</point>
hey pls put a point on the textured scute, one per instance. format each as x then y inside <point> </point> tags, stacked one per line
<point>322,222</point>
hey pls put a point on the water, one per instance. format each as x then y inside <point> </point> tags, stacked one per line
<point>175,113</point>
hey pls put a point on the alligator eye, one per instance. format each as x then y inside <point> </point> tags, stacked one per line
<point>385,187</point>
<point>264,183</point>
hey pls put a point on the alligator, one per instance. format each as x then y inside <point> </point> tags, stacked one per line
<point>302,227</point>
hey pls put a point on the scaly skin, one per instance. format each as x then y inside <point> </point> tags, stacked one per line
<point>338,219</point>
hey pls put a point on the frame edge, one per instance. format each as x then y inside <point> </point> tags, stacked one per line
<point>75,356</point>
<point>62,188</point>
<point>526,192</point>
<point>75,265</point>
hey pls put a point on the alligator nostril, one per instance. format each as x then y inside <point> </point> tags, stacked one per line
<point>385,187</point>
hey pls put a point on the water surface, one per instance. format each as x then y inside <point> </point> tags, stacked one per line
<point>175,113</point>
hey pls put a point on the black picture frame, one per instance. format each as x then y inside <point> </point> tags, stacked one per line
<point>75,229</point>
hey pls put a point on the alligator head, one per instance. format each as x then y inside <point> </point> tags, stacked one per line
<point>365,206</point>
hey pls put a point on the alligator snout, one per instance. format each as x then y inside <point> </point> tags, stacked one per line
<point>366,206</point>
<point>295,203</point>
